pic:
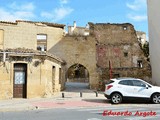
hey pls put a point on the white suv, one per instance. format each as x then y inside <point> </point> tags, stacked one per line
<point>119,89</point>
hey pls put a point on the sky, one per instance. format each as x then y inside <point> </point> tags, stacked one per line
<point>81,11</point>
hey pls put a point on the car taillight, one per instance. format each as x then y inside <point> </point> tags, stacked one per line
<point>109,86</point>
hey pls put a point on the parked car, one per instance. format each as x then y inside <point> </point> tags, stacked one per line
<point>120,89</point>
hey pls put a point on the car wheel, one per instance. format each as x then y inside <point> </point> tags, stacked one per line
<point>156,98</point>
<point>116,98</point>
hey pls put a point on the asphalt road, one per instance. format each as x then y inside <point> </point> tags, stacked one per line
<point>113,112</point>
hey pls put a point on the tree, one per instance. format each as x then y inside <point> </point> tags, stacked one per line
<point>145,49</point>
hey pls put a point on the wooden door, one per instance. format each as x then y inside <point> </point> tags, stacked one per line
<point>20,81</point>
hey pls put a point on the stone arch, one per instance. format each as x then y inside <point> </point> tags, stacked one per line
<point>77,73</point>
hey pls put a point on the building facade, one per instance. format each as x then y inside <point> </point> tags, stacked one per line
<point>27,69</point>
<point>118,52</point>
<point>29,66</point>
<point>154,38</point>
<point>79,31</point>
<point>106,47</point>
<point>141,36</point>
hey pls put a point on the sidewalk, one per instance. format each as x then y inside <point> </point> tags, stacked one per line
<point>75,95</point>
<point>71,100</point>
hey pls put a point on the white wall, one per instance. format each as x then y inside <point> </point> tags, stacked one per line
<point>154,38</point>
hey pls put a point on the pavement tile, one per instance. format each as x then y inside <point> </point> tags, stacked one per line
<point>70,100</point>
<point>66,104</point>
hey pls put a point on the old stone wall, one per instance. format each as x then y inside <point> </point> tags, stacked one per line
<point>118,52</point>
<point>5,80</point>
<point>24,34</point>
<point>79,50</point>
<point>118,44</point>
<point>114,43</point>
<point>40,80</point>
<point>113,33</point>
<point>1,38</point>
<point>41,77</point>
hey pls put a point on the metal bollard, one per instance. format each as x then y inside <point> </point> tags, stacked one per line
<point>96,93</point>
<point>80,94</point>
<point>62,95</point>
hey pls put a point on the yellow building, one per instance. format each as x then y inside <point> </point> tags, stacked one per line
<point>27,70</point>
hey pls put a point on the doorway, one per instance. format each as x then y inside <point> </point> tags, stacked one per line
<point>20,80</point>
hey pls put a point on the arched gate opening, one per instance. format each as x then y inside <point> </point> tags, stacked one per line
<point>77,77</point>
<point>77,73</point>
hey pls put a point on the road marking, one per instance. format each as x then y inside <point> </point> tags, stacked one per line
<point>122,110</point>
<point>84,108</point>
<point>73,108</point>
<point>94,119</point>
<point>100,112</point>
<point>101,108</point>
<point>157,111</point>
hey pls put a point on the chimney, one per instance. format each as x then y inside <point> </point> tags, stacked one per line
<point>74,24</point>
<point>87,25</point>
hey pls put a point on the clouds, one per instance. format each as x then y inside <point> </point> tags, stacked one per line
<point>137,5</point>
<point>23,7</point>
<point>16,11</point>
<point>63,2</point>
<point>58,13</point>
<point>29,11</point>
<point>137,17</point>
<point>138,10</point>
